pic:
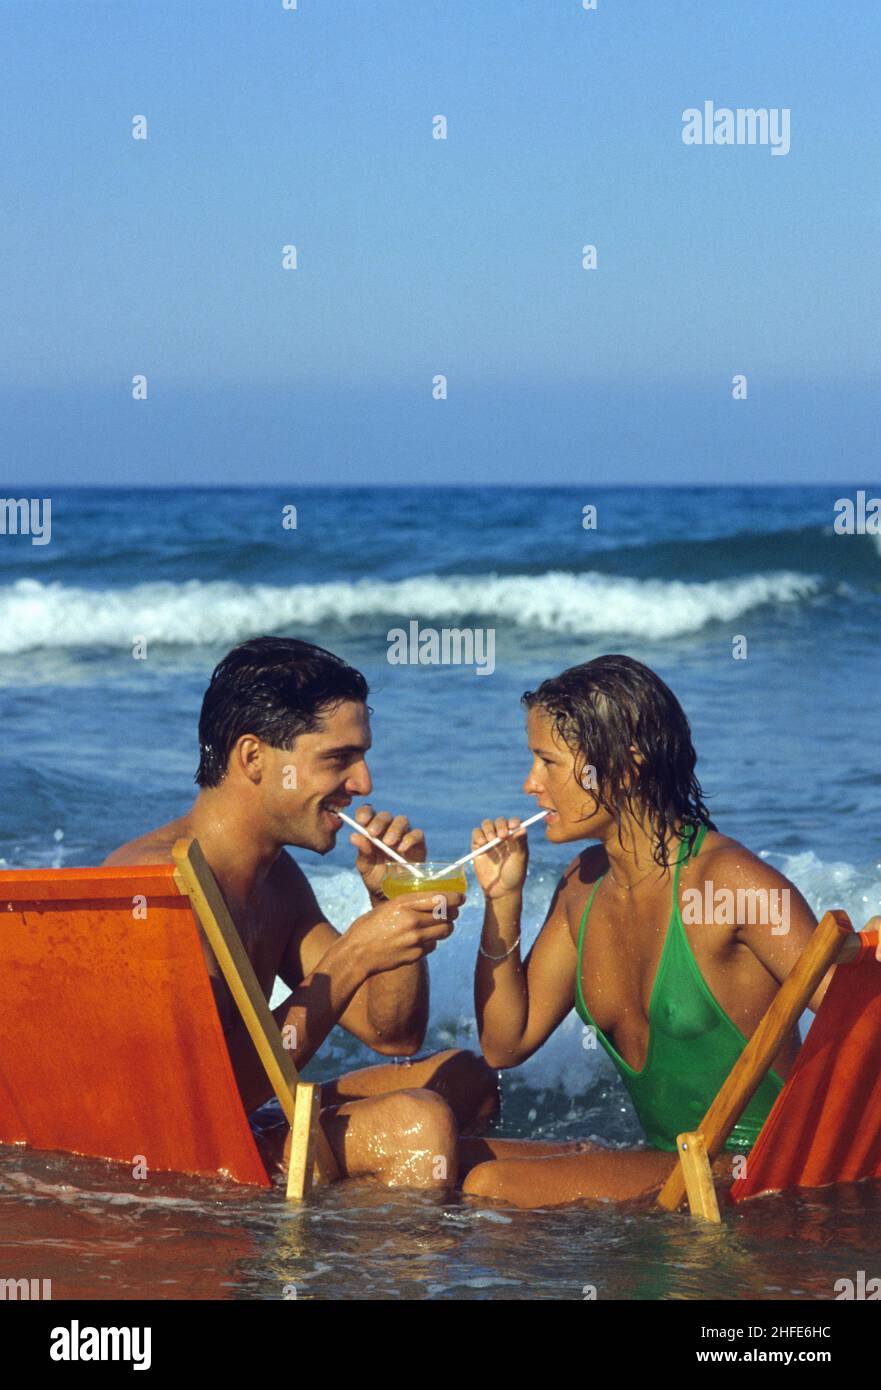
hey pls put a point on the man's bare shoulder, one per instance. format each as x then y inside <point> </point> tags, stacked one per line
<point>152,848</point>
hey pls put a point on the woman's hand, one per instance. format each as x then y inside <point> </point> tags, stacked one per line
<point>393,831</point>
<point>501,872</point>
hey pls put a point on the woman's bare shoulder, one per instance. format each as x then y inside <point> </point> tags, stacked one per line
<point>728,862</point>
<point>587,866</point>
<point>579,878</point>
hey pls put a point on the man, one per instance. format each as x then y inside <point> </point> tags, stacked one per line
<point>284,732</point>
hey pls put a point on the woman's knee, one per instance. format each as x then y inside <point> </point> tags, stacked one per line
<point>485,1180</point>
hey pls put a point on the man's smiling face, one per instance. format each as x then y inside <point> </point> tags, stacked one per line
<point>324,769</point>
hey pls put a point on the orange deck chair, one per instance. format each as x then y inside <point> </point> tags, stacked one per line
<point>110,1040</point>
<point>825,1126</point>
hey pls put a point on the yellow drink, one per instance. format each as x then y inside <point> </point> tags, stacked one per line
<point>399,880</point>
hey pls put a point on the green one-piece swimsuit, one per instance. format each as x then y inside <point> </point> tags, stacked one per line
<point>692,1043</point>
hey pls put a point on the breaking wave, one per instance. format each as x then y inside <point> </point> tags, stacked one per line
<point>37,615</point>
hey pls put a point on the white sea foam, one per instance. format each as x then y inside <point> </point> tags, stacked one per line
<point>37,615</point>
<point>835,884</point>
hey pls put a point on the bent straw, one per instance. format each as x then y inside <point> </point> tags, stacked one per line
<point>490,844</point>
<point>386,849</point>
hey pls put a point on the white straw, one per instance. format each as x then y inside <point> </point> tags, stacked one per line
<point>386,849</point>
<point>491,844</point>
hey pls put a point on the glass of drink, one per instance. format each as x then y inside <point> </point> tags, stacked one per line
<point>399,880</point>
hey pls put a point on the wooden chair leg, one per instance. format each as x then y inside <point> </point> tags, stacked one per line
<point>698,1176</point>
<point>302,1167</point>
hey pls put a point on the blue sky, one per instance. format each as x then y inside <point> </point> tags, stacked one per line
<point>418,256</point>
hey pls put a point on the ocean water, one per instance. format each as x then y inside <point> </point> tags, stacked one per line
<point>98,746</point>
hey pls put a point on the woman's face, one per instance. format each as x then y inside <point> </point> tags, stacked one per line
<point>575,812</point>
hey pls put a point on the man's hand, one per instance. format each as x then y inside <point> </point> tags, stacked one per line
<point>404,930</point>
<point>874,924</point>
<point>393,831</point>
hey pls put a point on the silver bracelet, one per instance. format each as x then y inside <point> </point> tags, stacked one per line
<point>504,954</point>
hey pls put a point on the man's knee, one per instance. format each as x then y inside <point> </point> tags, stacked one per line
<point>424,1115</point>
<point>422,1137</point>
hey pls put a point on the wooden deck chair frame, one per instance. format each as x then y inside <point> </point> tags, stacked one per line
<point>311,1157</point>
<point>834,942</point>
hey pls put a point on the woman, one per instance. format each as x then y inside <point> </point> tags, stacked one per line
<point>672,990</point>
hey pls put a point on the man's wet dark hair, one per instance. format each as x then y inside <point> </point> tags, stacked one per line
<point>275,688</point>
<point>603,707</point>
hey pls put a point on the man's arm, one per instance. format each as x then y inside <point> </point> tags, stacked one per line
<point>385,1008</point>
<point>393,1015</point>
<point>338,968</point>
<point>390,1014</point>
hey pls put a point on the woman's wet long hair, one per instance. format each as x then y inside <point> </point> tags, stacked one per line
<point>602,708</point>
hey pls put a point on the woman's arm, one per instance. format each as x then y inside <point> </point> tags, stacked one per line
<point>518,1004</point>
<point>773,919</point>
